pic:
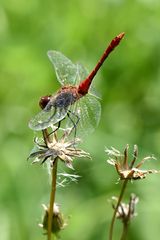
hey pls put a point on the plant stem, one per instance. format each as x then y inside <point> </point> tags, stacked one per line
<point>115,211</point>
<point>52,197</point>
<point>45,136</point>
<point>125,230</point>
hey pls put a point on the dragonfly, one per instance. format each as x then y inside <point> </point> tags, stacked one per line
<point>75,96</point>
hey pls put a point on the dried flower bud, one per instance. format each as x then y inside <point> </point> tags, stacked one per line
<point>58,222</point>
<point>126,212</point>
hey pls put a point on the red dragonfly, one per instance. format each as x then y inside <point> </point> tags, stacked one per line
<point>57,106</point>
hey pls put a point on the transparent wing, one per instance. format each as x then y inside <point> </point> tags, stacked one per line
<point>46,118</point>
<point>82,73</point>
<point>94,92</point>
<point>89,112</point>
<point>65,70</point>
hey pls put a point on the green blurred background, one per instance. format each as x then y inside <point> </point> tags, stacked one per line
<point>129,84</point>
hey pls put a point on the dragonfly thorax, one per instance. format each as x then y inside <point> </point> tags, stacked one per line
<point>64,99</point>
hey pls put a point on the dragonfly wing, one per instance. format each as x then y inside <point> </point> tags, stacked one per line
<point>82,73</point>
<point>65,70</point>
<point>89,112</point>
<point>94,92</point>
<point>45,118</point>
<point>88,109</point>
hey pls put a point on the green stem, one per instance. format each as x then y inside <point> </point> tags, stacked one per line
<point>52,198</point>
<point>125,230</point>
<point>115,211</point>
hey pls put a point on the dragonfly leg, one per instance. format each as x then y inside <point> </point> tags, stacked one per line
<point>74,123</point>
<point>59,124</point>
<point>78,118</point>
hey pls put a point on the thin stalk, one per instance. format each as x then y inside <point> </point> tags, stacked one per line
<point>52,198</point>
<point>115,211</point>
<point>45,136</point>
<point>125,230</point>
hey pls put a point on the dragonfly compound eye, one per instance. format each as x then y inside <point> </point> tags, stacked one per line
<point>44,101</point>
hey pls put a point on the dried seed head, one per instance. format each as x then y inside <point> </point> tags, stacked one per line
<point>125,169</point>
<point>64,149</point>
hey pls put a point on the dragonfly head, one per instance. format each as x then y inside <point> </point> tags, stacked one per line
<point>44,101</point>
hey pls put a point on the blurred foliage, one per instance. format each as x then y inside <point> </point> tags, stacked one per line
<point>129,83</point>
